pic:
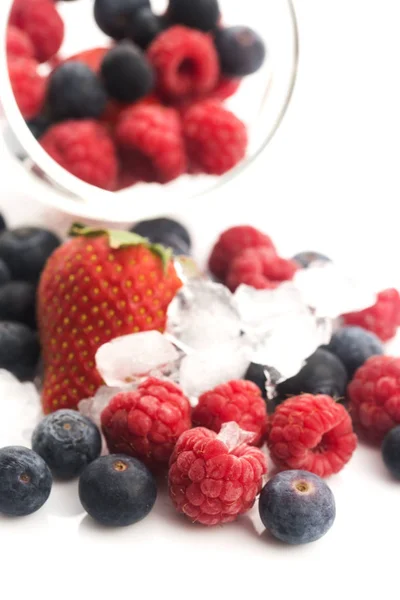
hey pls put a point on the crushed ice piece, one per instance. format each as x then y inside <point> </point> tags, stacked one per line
<point>21,410</point>
<point>187,269</point>
<point>131,358</point>
<point>203,315</point>
<point>233,436</point>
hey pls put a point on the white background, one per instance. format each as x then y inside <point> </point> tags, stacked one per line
<point>328,181</point>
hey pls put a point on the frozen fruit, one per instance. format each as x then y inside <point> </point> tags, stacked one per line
<point>354,345</point>
<point>114,17</point>
<point>382,319</point>
<point>185,62</point>
<point>260,268</point>
<point>391,451</point>
<point>19,350</point>
<point>147,422</point>
<point>25,250</point>
<point>85,149</point>
<point>18,302</point>
<point>18,43</point>
<point>117,490</point>
<point>28,85</point>
<point>241,51</point>
<point>197,14</point>
<point>167,232</point>
<point>306,259</point>
<point>75,92</point>
<point>238,401</point>
<point>39,125</point>
<point>216,139</point>
<point>126,73</point>
<point>297,507</point>
<point>155,132</point>
<point>92,58</point>
<point>215,478</point>
<point>313,433</point>
<point>145,27</point>
<point>67,442</point>
<point>231,242</point>
<point>96,287</point>
<point>25,481</point>
<point>374,395</point>
<point>323,373</point>
<point>5,275</point>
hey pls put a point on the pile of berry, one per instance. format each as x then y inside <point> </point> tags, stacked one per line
<point>147,108</point>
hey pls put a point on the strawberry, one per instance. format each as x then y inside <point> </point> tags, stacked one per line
<point>98,286</point>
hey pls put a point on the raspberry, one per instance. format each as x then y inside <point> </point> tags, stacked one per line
<point>28,86</point>
<point>40,20</point>
<point>147,422</point>
<point>185,62</point>
<point>84,149</point>
<point>216,140</point>
<point>225,88</point>
<point>312,433</point>
<point>260,268</point>
<point>238,401</point>
<point>374,395</point>
<point>231,243</point>
<point>382,319</point>
<point>214,479</point>
<point>155,132</point>
<point>18,43</point>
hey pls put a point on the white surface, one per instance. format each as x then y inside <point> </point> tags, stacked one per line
<point>328,181</point>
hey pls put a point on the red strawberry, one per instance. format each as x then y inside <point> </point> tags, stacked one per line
<point>98,286</point>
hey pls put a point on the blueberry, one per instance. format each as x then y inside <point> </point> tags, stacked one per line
<point>115,16</point>
<point>3,224</point>
<point>166,232</point>
<point>18,302</point>
<point>354,345</point>
<point>39,126</point>
<point>198,14</point>
<point>145,27</point>
<point>391,452</point>
<point>241,51</point>
<point>5,274</point>
<point>75,92</point>
<point>305,259</point>
<point>25,251</point>
<point>19,350</point>
<point>255,373</point>
<point>297,507</point>
<point>67,442</point>
<point>117,490</point>
<point>25,481</point>
<point>323,373</point>
<point>127,74</point>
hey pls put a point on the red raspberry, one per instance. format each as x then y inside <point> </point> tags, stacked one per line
<point>374,395</point>
<point>147,422</point>
<point>155,132</point>
<point>185,61</point>
<point>84,149</point>
<point>28,86</point>
<point>18,43</point>
<point>238,401</point>
<point>260,268</point>
<point>231,242</point>
<point>225,88</point>
<point>312,433</point>
<point>212,479</point>
<point>40,20</point>
<point>382,319</point>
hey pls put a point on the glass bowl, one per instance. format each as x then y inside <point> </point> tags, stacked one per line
<point>261,103</point>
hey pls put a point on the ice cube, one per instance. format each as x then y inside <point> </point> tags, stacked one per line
<point>233,436</point>
<point>21,410</point>
<point>93,407</point>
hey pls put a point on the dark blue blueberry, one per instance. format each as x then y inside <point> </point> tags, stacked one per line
<point>197,14</point>
<point>39,125</point>
<point>166,232</point>
<point>19,349</point>
<point>75,92</point>
<point>391,452</point>
<point>241,51</point>
<point>354,345</point>
<point>115,16</point>
<point>305,259</point>
<point>127,74</point>
<point>25,481</point>
<point>25,250</point>
<point>145,27</point>
<point>3,224</point>
<point>323,373</point>
<point>117,490</point>
<point>68,442</point>
<point>18,302</point>
<point>297,507</point>
<point>255,373</point>
<point>5,274</point>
